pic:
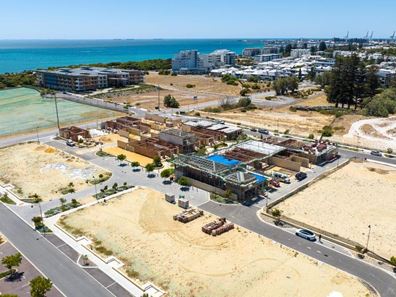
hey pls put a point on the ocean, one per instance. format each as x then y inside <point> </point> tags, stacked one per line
<point>20,55</point>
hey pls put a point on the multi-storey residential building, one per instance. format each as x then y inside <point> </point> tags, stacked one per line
<point>267,57</point>
<point>86,79</point>
<point>251,52</point>
<point>191,61</point>
<point>299,52</point>
<point>186,61</point>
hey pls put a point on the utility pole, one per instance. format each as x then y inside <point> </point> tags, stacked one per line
<point>368,237</point>
<point>57,114</point>
<point>159,100</point>
<point>37,132</point>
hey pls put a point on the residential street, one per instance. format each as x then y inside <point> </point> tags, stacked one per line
<point>72,280</point>
<point>64,272</point>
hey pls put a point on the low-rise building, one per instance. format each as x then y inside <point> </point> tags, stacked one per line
<point>85,79</point>
<point>74,133</point>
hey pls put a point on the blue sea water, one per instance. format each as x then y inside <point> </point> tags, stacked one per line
<point>20,55</point>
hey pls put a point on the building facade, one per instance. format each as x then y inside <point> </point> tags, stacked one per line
<point>85,79</point>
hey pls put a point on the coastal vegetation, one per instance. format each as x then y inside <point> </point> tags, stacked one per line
<point>147,65</point>
<point>12,80</point>
<point>28,78</point>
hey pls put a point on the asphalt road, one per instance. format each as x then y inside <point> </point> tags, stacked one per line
<point>66,275</point>
<point>246,217</point>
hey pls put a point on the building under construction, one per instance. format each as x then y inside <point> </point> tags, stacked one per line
<point>218,177</point>
<point>74,133</point>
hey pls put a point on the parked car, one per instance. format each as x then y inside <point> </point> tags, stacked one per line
<point>376,153</point>
<point>306,234</point>
<point>301,175</point>
<point>70,143</point>
<point>253,130</point>
<point>282,177</point>
<point>263,131</point>
<point>275,183</point>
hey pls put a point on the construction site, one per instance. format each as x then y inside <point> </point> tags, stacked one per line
<point>249,168</point>
<point>361,194</point>
<point>184,260</point>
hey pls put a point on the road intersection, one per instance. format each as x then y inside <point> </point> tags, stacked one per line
<point>72,280</point>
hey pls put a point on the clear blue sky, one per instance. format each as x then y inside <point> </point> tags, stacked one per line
<point>68,19</point>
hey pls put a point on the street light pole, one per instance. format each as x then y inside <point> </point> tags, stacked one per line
<point>368,237</point>
<point>96,191</point>
<point>57,114</point>
<point>37,132</point>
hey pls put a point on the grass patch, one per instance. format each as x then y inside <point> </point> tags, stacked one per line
<point>5,274</point>
<point>100,179</point>
<point>101,153</point>
<point>6,199</point>
<point>221,199</point>
<point>132,273</point>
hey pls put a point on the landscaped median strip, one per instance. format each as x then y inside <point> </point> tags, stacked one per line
<point>278,219</point>
<point>111,265</point>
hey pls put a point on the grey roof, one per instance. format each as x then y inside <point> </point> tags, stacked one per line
<point>86,71</point>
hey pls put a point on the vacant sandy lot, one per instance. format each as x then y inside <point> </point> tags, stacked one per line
<point>138,228</point>
<point>373,132</point>
<point>302,123</point>
<point>202,83</point>
<point>206,89</point>
<point>43,170</point>
<point>349,200</point>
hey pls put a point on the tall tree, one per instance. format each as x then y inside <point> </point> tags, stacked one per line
<point>12,261</point>
<point>322,46</point>
<point>39,286</point>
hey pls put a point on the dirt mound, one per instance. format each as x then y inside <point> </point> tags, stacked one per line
<point>50,150</point>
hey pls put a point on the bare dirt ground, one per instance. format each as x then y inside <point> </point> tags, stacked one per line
<point>349,200</point>
<point>205,89</point>
<point>202,83</point>
<point>138,228</point>
<point>43,170</point>
<point>302,123</point>
<point>373,132</point>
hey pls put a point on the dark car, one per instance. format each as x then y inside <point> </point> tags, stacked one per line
<point>263,131</point>
<point>301,175</point>
<point>306,234</point>
<point>376,153</point>
<point>253,130</point>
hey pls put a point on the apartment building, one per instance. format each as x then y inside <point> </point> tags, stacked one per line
<point>85,79</point>
<point>187,62</point>
<point>267,57</point>
<point>191,61</point>
<point>299,52</point>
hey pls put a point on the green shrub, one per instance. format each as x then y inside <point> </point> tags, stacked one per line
<point>327,131</point>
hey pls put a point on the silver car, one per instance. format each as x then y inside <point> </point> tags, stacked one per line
<point>306,234</point>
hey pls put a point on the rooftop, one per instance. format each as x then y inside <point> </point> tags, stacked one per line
<point>261,147</point>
